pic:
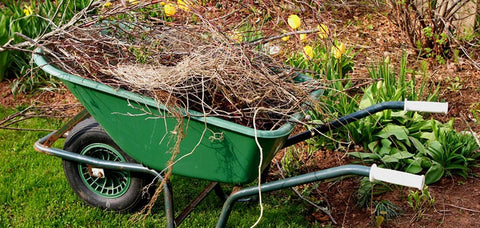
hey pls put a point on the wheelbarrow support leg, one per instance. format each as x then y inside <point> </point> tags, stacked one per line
<point>290,182</point>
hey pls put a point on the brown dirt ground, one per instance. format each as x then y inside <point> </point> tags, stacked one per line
<point>457,200</point>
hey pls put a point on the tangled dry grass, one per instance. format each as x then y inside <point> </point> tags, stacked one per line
<point>184,66</point>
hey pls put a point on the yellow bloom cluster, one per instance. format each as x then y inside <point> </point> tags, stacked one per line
<point>169,9</point>
<point>27,10</point>
<point>183,5</point>
<point>308,52</point>
<point>322,31</point>
<point>107,4</point>
<point>338,50</point>
<point>285,38</point>
<point>295,22</point>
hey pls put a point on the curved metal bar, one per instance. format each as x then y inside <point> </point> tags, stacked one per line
<point>343,121</point>
<point>133,167</point>
<point>290,182</point>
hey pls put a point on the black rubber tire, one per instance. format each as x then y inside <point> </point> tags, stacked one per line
<point>84,135</point>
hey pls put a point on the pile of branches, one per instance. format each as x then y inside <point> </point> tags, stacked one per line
<point>187,66</point>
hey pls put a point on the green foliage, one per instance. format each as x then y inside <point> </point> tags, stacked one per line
<point>368,189</point>
<point>291,161</point>
<point>31,19</point>
<point>453,154</point>
<point>4,37</point>
<point>324,66</point>
<point>420,201</point>
<point>396,139</point>
<point>334,72</point>
<point>386,209</point>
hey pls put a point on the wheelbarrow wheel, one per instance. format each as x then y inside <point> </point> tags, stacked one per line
<point>116,190</point>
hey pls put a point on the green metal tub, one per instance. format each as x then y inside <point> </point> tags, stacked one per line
<point>213,148</point>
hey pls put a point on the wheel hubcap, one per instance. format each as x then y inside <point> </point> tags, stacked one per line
<point>115,182</point>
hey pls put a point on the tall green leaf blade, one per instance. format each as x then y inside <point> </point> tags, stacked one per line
<point>418,145</point>
<point>434,174</point>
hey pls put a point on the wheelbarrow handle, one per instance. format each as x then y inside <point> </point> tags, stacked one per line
<point>425,106</point>
<point>421,106</point>
<point>397,177</point>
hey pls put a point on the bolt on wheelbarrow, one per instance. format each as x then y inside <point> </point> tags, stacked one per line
<point>113,150</point>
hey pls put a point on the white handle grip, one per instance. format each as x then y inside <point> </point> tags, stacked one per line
<point>425,106</point>
<point>397,177</point>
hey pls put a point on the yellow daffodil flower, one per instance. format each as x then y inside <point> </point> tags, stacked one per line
<point>162,3</point>
<point>303,37</point>
<point>27,10</point>
<point>169,9</point>
<point>183,5</point>
<point>133,2</point>
<point>338,50</point>
<point>107,4</point>
<point>294,21</point>
<point>308,52</point>
<point>322,31</point>
<point>285,38</point>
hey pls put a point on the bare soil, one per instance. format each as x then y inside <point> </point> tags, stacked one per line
<point>374,37</point>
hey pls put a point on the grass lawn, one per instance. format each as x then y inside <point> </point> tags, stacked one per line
<point>34,192</point>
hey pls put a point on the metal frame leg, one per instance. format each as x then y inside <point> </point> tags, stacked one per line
<point>290,182</point>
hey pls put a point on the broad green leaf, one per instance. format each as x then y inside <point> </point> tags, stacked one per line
<point>428,136</point>
<point>364,155</point>
<point>367,99</point>
<point>434,174</point>
<point>415,166</point>
<point>401,154</point>
<point>389,159</point>
<point>400,132</point>
<point>386,142</point>
<point>372,146</point>
<point>426,163</point>
<point>435,150</point>
<point>384,150</point>
<point>401,114</point>
<point>418,145</point>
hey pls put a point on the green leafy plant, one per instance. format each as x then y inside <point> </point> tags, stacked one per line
<point>384,211</point>
<point>4,37</point>
<point>334,72</point>
<point>31,19</point>
<point>368,189</point>
<point>420,201</point>
<point>451,154</point>
<point>406,141</point>
<point>454,85</point>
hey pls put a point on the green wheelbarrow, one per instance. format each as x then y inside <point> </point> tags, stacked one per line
<point>121,143</point>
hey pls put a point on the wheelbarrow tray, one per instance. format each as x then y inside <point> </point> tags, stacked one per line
<point>212,148</point>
